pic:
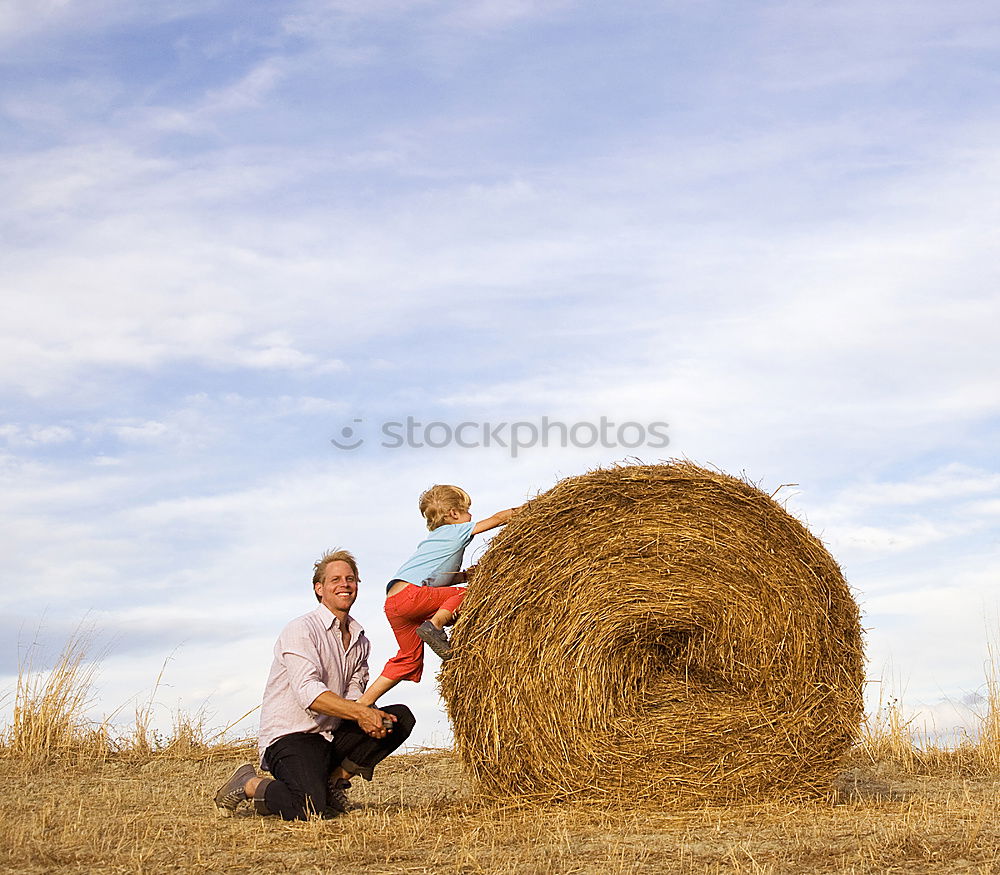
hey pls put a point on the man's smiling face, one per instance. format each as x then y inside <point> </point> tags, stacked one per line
<point>339,588</point>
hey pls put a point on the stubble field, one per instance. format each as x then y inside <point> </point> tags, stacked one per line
<point>155,814</point>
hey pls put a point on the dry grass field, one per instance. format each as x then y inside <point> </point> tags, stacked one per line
<point>125,814</point>
<point>75,800</point>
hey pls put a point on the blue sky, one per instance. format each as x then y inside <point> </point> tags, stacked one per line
<point>230,231</point>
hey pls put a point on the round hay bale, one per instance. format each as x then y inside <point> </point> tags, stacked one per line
<point>658,632</point>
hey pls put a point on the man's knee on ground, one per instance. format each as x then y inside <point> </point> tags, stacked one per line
<point>301,807</point>
<point>289,803</point>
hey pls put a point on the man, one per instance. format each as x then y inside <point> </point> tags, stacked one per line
<point>314,736</point>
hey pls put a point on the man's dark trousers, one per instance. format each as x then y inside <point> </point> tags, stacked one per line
<point>302,762</point>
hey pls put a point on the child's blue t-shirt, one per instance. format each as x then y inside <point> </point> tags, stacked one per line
<point>437,557</point>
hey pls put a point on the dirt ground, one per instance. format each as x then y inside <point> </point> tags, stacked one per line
<point>421,816</point>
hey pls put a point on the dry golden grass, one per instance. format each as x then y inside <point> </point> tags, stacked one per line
<point>889,742</point>
<point>49,707</point>
<point>418,815</point>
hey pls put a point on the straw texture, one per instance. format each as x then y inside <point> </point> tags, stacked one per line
<point>654,632</point>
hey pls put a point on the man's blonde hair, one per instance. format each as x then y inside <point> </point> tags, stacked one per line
<point>319,566</point>
<point>438,500</point>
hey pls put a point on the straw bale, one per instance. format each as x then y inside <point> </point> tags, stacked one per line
<point>654,632</point>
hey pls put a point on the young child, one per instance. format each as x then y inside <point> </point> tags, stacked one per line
<point>421,599</point>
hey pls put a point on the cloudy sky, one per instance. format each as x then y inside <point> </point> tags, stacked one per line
<point>234,232</point>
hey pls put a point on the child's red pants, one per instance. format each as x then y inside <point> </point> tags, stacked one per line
<point>406,610</point>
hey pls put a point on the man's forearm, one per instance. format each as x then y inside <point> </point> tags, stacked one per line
<point>372,721</point>
<point>336,706</point>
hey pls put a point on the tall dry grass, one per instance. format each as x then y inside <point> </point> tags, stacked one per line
<point>989,738</point>
<point>49,708</point>
<point>891,740</point>
<point>50,721</point>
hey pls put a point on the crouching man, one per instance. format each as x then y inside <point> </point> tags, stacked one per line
<point>314,736</point>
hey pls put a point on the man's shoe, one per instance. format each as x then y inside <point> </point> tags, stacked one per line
<point>337,802</point>
<point>434,638</point>
<point>233,792</point>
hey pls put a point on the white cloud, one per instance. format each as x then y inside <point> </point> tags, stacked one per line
<point>478,15</point>
<point>249,91</point>
<point>951,481</point>
<point>859,44</point>
<point>211,112</point>
<point>30,24</point>
<point>18,17</point>
<point>883,540</point>
<point>322,16</point>
<point>143,431</point>
<point>167,285</point>
<point>26,436</point>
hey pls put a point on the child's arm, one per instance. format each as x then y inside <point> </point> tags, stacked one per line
<point>498,519</point>
<point>380,686</point>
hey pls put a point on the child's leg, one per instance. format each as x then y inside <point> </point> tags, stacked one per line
<point>441,618</point>
<point>406,611</point>
<point>444,615</point>
<point>431,631</point>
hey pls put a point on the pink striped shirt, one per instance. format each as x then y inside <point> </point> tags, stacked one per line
<point>309,659</point>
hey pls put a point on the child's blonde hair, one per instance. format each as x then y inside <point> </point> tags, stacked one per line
<point>438,500</point>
